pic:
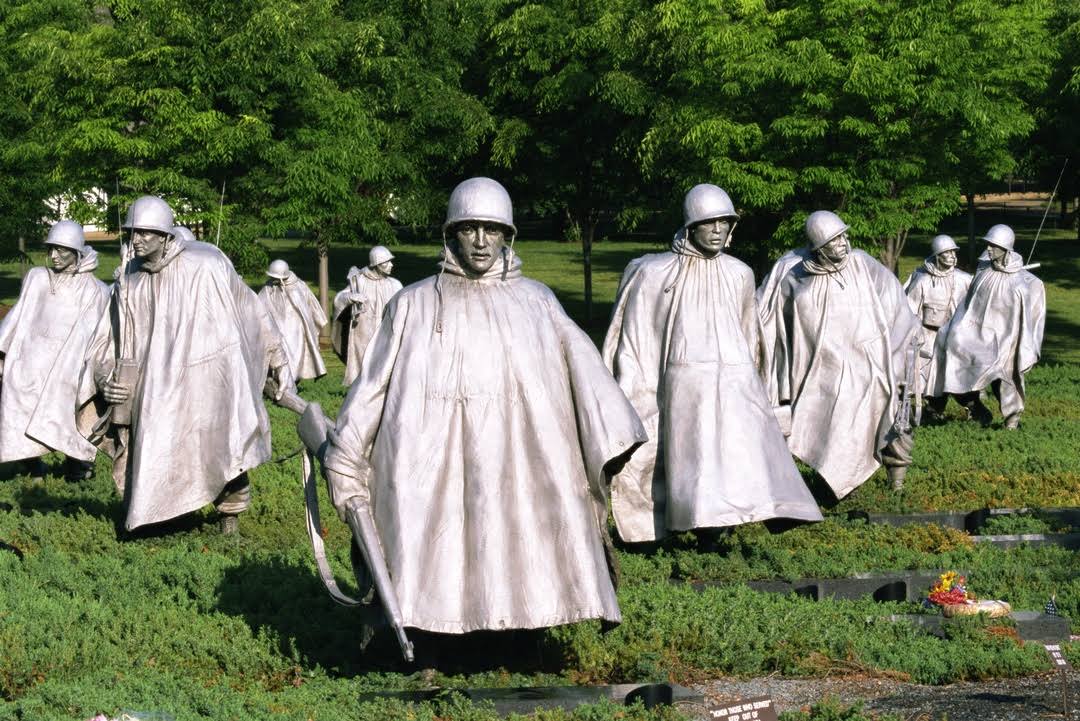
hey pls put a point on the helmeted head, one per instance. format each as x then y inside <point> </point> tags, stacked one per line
<point>942,243</point>
<point>65,244</point>
<point>150,222</point>
<point>182,231</point>
<point>279,269</point>
<point>1000,236</point>
<point>708,218</point>
<point>823,226</point>
<point>479,216</point>
<point>378,255</point>
<point>943,250</point>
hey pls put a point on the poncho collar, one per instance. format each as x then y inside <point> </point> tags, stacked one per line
<point>88,261</point>
<point>1013,262</point>
<point>930,266</point>
<point>506,268</point>
<point>681,245</point>
<point>176,246</point>
<point>815,268</point>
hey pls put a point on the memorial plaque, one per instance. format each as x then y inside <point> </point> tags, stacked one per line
<point>1057,657</point>
<point>758,708</point>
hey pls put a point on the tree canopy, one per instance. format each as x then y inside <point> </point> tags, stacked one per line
<point>340,119</point>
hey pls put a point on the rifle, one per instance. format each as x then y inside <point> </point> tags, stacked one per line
<point>314,429</point>
<point>902,421</point>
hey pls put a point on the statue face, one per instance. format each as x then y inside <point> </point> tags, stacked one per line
<point>384,269</point>
<point>995,252</point>
<point>710,236</point>
<point>477,245</point>
<point>148,244</point>
<point>836,249</point>
<point>61,258</point>
<point>946,259</point>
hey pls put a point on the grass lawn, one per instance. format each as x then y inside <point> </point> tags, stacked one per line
<point>202,626</point>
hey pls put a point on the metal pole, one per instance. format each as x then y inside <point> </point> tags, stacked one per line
<point>1051,202</point>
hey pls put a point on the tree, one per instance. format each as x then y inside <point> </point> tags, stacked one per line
<point>869,108</point>
<point>571,111</point>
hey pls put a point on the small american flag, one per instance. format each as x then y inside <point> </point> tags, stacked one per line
<point>1051,608</point>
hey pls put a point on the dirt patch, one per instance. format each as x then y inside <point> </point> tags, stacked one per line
<point>1018,699</point>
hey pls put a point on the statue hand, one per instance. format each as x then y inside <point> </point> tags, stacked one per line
<point>282,379</point>
<point>115,392</point>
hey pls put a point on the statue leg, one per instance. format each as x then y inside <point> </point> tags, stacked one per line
<point>35,468</point>
<point>76,470</point>
<point>1012,403</point>
<point>896,456</point>
<point>977,411</point>
<point>233,500</point>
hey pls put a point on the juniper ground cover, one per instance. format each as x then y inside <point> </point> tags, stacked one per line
<point>198,625</point>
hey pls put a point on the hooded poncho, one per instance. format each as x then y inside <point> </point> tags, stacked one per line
<point>995,334</point>
<point>842,349</point>
<point>355,320</point>
<point>300,318</point>
<point>684,344</point>
<point>203,343</point>
<point>934,296</point>
<point>477,433</point>
<point>43,340</point>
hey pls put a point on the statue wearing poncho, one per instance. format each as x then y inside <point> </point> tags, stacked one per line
<point>843,347</point>
<point>996,335</point>
<point>684,344</point>
<point>42,343</point>
<point>202,343</point>
<point>299,317</point>
<point>934,292</point>
<point>358,309</point>
<point>477,437</point>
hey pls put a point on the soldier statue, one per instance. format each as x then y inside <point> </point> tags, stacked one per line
<point>934,291</point>
<point>843,347</point>
<point>181,358</point>
<point>996,334</point>
<point>473,450</point>
<point>299,316</point>
<point>42,343</point>
<point>358,308</point>
<point>685,345</point>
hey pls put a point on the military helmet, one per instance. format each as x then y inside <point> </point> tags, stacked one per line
<point>707,202</point>
<point>822,226</point>
<point>941,243</point>
<point>67,234</point>
<point>379,255</point>
<point>149,213</point>
<point>1001,235</point>
<point>182,231</point>
<point>278,269</point>
<point>480,199</point>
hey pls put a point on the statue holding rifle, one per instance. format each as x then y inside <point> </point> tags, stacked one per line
<point>181,358</point>
<point>358,308</point>
<point>473,451</point>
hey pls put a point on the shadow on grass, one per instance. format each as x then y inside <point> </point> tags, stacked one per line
<point>289,600</point>
<point>37,498</point>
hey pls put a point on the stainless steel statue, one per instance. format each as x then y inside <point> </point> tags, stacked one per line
<point>181,358</point>
<point>934,292</point>
<point>843,356</point>
<point>358,308</point>
<point>477,442</point>
<point>996,335</point>
<point>42,343</point>
<point>299,316</point>
<point>684,344</point>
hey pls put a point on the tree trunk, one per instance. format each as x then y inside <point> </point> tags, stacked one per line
<point>322,250</point>
<point>586,253</point>
<point>24,266</point>
<point>972,255</point>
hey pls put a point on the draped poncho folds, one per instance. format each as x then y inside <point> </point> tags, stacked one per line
<point>477,434</point>
<point>684,344</point>
<point>996,333</point>
<point>934,295</point>
<point>355,321</point>
<point>300,318</point>
<point>43,340</point>
<point>203,343</point>
<point>842,349</point>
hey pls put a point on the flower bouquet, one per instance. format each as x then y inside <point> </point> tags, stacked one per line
<point>951,593</point>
